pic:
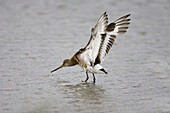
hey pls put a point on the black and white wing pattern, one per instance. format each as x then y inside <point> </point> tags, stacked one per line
<point>115,28</point>
<point>102,38</point>
<point>91,50</point>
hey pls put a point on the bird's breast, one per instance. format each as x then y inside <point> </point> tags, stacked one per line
<point>82,64</point>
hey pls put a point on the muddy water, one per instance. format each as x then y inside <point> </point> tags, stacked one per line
<point>35,36</point>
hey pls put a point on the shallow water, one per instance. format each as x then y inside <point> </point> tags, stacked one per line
<point>36,36</point>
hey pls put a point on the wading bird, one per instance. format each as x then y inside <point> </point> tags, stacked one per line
<point>101,40</point>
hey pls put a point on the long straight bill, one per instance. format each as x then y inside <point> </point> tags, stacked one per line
<point>57,68</point>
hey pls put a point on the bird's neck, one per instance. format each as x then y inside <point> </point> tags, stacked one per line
<point>72,62</point>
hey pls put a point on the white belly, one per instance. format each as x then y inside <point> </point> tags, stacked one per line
<point>95,69</point>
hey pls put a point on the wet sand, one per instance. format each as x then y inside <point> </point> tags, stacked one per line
<point>37,35</point>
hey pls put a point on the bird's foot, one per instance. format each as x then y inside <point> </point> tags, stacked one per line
<point>84,81</point>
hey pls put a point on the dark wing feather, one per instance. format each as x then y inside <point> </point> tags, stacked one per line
<point>115,28</point>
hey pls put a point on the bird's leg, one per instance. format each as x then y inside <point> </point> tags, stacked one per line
<point>87,76</point>
<point>94,79</point>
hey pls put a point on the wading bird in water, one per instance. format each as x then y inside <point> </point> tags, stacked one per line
<point>101,40</point>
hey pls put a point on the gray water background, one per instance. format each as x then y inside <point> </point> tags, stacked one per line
<point>37,35</point>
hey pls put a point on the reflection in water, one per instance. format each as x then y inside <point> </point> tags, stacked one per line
<point>87,97</point>
<point>87,91</point>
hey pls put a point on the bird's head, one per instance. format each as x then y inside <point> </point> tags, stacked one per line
<point>66,63</point>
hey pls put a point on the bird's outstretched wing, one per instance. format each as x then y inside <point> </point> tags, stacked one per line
<point>113,29</point>
<point>102,38</point>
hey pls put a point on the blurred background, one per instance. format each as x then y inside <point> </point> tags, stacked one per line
<point>37,35</point>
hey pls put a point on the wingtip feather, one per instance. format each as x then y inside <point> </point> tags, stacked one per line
<point>128,15</point>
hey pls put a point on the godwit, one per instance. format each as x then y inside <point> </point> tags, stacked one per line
<point>101,40</point>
